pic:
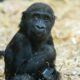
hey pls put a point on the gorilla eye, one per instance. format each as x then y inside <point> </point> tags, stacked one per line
<point>35,16</point>
<point>46,17</point>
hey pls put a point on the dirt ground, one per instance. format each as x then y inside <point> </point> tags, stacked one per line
<point>66,32</point>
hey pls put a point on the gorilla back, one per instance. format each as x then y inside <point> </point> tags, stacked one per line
<point>31,51</point>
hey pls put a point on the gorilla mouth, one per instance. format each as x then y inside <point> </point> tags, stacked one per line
<point>38,32</point>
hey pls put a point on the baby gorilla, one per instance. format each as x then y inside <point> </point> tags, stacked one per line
<point>31,51</point>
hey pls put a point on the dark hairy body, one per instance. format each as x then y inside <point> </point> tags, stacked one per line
<point>31,50</point>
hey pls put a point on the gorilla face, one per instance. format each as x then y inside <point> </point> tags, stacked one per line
<point>40,24</point>
<point>38,20</point>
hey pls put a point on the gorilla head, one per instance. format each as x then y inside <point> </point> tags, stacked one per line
<point>37,21</point>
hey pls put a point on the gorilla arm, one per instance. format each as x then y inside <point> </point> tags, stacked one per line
<point>39,59</point>
<point>15,53</point>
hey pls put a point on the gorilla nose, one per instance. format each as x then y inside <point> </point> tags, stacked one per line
<point>40,27</point>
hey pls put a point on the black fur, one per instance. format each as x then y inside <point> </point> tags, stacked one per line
<point>32,50</point>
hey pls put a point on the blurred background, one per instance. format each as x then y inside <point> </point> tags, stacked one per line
<point>66,32</point>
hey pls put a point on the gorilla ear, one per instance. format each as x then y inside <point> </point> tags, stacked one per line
<point>54,18</point>
<point>22,20</point>
<point>23,15</point>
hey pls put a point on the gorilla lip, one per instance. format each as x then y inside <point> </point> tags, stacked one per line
<point>39,32</point>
